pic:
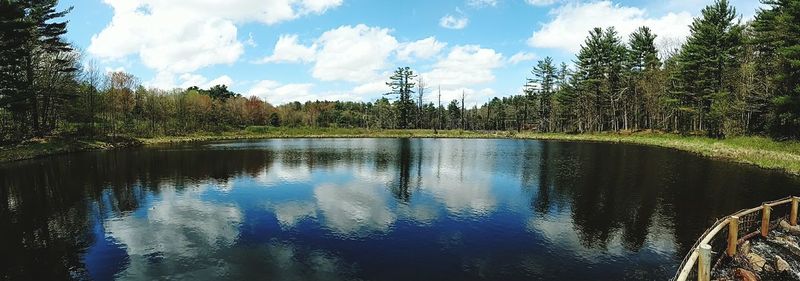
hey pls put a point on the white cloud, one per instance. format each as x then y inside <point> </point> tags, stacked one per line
<point>377,87</point>
<point>288,50</point>
<point>464,66</point>
<point>572,22</point>
<point>745,7</point>
<point>521,57</point>
<point>115,69</point>
<point>472,97</point>
<point>251,42</point>
<point>541,2</point>
<point>190,79</point>
<point>422,49</point>
<point>180,36</point>
<point>482,3</point>
<point>222,80</point>
<point>166,80</point>
<point>353,53</point>
<point>452,22</point>
<point>276,93</point>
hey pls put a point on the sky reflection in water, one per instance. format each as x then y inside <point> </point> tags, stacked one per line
<point>369,209</point>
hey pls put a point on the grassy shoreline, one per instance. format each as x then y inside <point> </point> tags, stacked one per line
<point>758,151</point>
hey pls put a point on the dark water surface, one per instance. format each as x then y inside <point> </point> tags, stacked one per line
<point>368,209</point>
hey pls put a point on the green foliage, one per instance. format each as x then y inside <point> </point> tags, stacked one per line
<point>542,87</point>
<point>727,80</point>
<point>707,64</point>
<point>599,79</point>
<point>402,84</point>
<point>217,92</point>
<point>37,67</point>
<point>777,42</point>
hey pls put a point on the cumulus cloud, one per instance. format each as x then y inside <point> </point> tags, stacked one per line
<point>482,3</point>
<point>189,80</point>
<point>115,69</point>
<point>453,22</point>
<point>277,93</point>
<point>421,49</point>
<point>376,87</point>
<point>472,97</point>
<point>521,57</point>
<point>168,80</point>
<point>463,67</point>
<point>204,34</point>
<point>353,53</point>
<point>541,2</point>
<point>466,65</point>
<point>289,50</point>
<point>572,22</point>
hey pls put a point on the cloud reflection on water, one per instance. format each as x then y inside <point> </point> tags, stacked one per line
<point>176,229</point>
<point>498,206</point>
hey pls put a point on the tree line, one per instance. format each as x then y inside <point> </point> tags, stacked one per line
<point>728,78</point>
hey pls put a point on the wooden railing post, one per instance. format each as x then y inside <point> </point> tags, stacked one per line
<point>733,235</point>
<point>793,216</point>
<point>765,216</point>
<point>704,262</point>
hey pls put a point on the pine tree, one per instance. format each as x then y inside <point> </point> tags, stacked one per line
<point>590,77</point>
<point>565,106</point>
<point>543,86</point>
<point>777,43</point>
<point>13,38</point>
<point>643,65</point>
<point>643,54</point>
<point>600,78</point>
<point>707,63</point>
<point>37,67</point>
<point>615,54</point>
<point>402,84</point>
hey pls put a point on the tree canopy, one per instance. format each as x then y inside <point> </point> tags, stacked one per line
<point>728,78</point>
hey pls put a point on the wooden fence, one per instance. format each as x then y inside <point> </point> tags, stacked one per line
<point>728,233</point>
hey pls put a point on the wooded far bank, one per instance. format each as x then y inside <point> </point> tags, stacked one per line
<point>730,78</point>
<point>758,151</point>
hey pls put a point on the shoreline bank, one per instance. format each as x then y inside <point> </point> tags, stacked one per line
<point>759,151</point>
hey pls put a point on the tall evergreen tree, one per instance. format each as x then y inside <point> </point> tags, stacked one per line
<point>402,84</point>
<point>777,44</point>
<point>615,54</point>
<point>13,39</point>
<point>590,77</point>
<point>36,63</point>
<point>565,100</point>
<point>600,76</point>
<point>643,65</point>
<point>544,83</point>
<point>708,62</point>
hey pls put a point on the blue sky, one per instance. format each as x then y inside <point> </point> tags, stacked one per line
<point>285,50</point>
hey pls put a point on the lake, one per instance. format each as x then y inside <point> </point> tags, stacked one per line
<point>368,209</point>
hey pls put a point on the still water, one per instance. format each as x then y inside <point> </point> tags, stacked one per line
<point>368,209</point>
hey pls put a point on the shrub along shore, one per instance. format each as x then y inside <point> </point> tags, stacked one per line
<point>758,151</point>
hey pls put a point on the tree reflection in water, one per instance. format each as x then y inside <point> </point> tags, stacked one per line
<point>325,209</point>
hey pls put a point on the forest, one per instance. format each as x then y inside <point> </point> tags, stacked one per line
<point>728,78</point>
